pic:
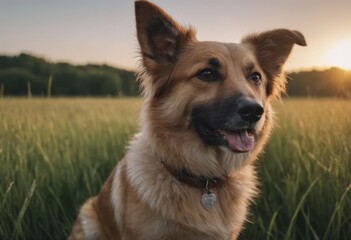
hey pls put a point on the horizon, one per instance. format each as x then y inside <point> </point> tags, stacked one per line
<point>89,32</point>
<point>326,68</point>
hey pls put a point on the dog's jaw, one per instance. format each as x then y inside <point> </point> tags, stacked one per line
<point>240,140</point>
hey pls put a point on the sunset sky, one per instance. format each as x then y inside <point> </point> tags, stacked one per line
<point>92,31</point>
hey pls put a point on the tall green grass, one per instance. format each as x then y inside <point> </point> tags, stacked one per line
<point>305,173</point>
<point>54,153</point>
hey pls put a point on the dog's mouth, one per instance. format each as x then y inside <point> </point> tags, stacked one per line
<point>238,140</point>
<point>241,140</point>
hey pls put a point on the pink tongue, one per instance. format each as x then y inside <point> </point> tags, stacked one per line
<point>240,141</point>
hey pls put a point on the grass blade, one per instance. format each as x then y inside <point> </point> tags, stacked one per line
<point>271,225</point>
<point>292,222</point>
<point>5,195</point>
<point>337,209</point>
<point>18,227</point>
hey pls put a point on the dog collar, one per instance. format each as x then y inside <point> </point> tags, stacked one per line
<point>202,182</point>
<point>208,198</point>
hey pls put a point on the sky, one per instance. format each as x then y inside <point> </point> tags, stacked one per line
<point>103,31</point>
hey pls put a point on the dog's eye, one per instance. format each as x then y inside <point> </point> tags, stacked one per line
<point>208,75</point>
<point>255,77</point>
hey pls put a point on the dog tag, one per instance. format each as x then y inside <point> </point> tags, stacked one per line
<point>208,200</point>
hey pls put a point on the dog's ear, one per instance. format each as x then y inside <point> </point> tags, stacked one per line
<point>160,37</point>
<point>272,49</point>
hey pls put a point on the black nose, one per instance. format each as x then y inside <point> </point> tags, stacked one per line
<point>250,110</point>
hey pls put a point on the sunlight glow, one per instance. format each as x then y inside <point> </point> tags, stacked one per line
<point>340,55</point>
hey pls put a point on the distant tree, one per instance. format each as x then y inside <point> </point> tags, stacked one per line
<point>19,72</point>
<point>15,81</point>
<point>326,83</point>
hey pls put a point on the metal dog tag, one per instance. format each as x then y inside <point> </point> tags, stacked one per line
<point>208,200</point>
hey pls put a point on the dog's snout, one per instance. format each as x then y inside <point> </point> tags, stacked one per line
<point>250,111</point>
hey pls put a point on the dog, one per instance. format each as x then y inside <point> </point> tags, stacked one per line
<point>189,173</point>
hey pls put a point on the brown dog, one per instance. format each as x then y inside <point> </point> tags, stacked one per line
<point>188,174</point>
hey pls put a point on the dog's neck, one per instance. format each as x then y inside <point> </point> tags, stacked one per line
<point>201,182</point>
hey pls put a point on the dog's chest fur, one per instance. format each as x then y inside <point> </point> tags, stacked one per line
<point>152,204</point>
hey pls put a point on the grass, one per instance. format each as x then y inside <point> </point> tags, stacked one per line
<point>306,174</point>
<point>55,153</point>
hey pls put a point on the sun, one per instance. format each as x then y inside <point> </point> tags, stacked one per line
<point>340,54</point>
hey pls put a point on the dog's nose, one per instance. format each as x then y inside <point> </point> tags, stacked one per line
<point>250,111</point>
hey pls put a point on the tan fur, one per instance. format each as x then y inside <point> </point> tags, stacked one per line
<point>141,199</point>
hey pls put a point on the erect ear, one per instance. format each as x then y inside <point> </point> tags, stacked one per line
<point>272,49</point>
<point>159,36</point>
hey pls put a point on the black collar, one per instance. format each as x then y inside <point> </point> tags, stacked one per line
<point>201,182</point>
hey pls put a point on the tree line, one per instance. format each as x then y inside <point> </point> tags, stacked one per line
<point>333,82</point>
<point>27,75</point>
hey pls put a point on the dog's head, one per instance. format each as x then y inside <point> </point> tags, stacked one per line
<point>209,96</point>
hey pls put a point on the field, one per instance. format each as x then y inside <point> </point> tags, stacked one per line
<point>54,153</point>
